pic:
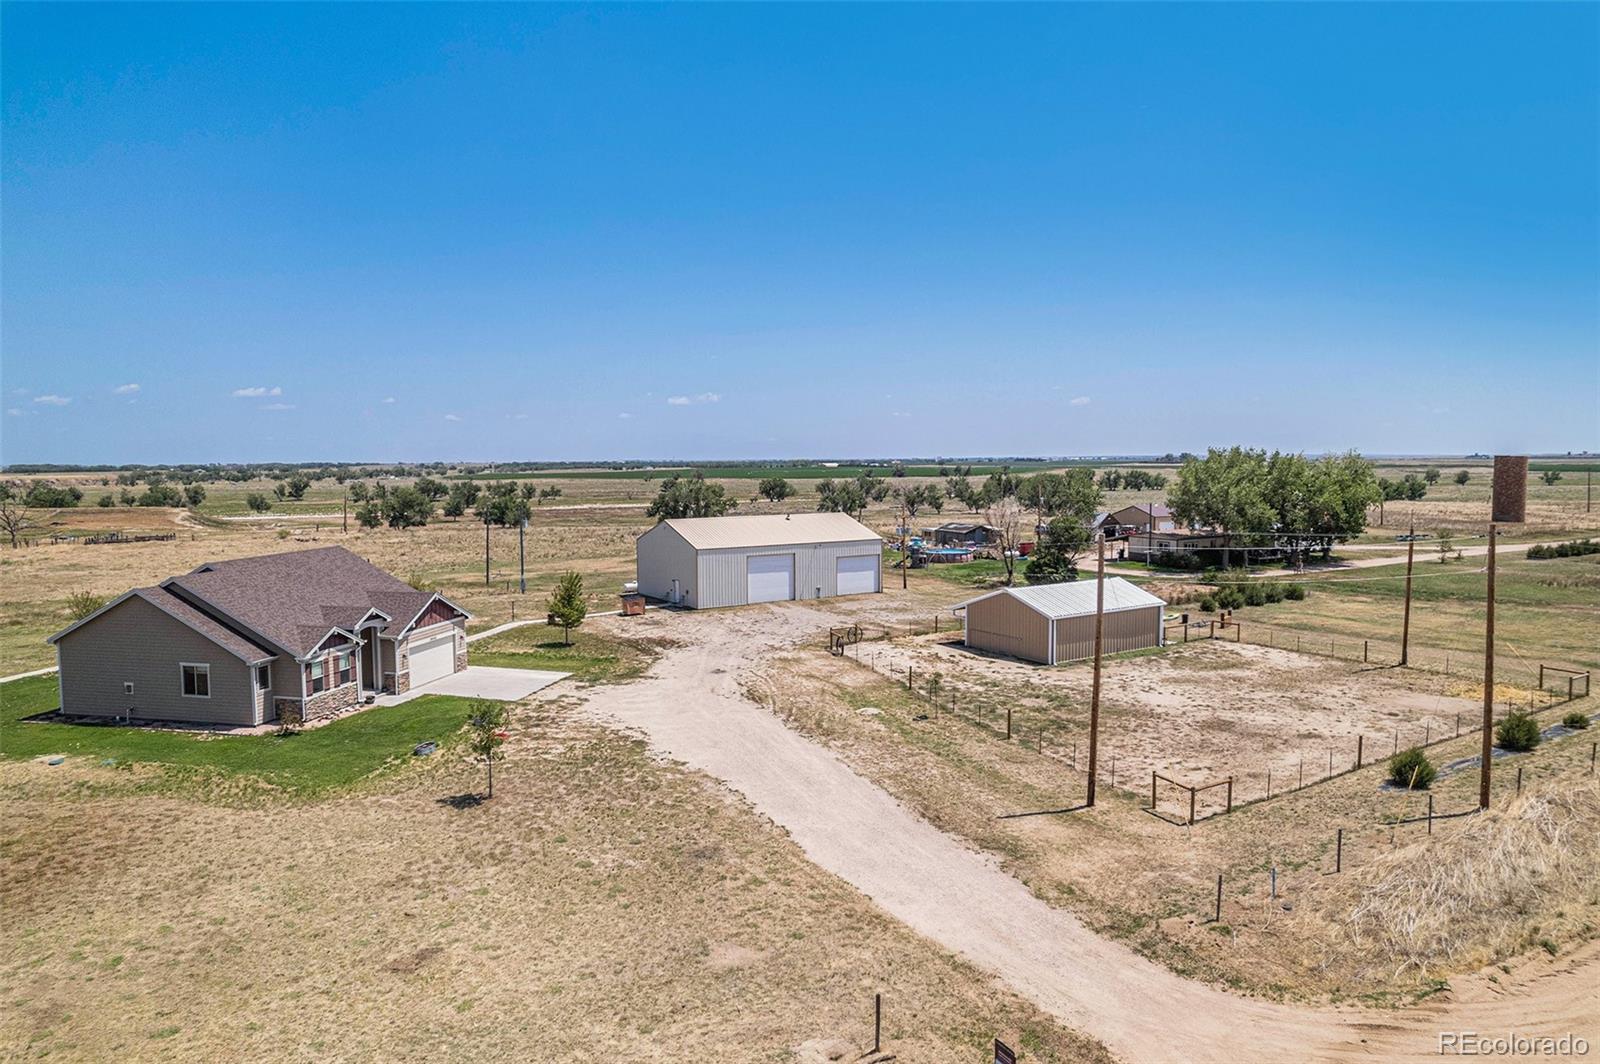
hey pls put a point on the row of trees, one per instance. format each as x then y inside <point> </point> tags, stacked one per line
<point>1256,497</point>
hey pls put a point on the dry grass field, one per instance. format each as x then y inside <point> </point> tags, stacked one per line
<point>1150,882</point>
<point>601,906</point>
<point>606,905</point>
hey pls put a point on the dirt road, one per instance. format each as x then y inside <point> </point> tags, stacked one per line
<point>1424,551</point>
<point>691,708</point>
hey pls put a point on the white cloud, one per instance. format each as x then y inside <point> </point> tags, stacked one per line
<point>388,399</point>
<point>277,406</point>
<point>256,392</point>
<point>688,400</point>
<point>452,417</point>
<point>1079,400</point>
<point>13,411</point>
<point>518,417</point>
<point>125,389</point>
<point>53,400</point>
<point>901,413</point>
<point>625,415</point>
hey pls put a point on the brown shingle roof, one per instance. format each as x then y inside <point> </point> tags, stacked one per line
<point>293,599</point>
<point>214,630</point>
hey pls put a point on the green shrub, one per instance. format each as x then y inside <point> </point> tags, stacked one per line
<point>1294,592</point>
<point>1411,769</point>
<point>1577,548</point>
<point>1576,720</point>
<point>1518,732</point>
<point>1208,604</point>
<point>82,603</point>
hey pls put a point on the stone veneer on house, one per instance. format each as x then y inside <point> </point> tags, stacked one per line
<point>325,704</point>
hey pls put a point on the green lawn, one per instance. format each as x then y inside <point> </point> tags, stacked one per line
<point>1519,581</point>
<point>592,658</point>
<point>314,761</point>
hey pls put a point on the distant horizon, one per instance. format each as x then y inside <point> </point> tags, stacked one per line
<point>646,464</point>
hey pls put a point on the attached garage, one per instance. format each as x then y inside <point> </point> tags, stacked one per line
<point>705,562</point>
<point>1053,623</point>
<point>433,655</point>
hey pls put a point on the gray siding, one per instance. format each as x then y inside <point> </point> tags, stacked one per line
<point>135,642</point>
<point>662,555</point>
<point>721,573</point>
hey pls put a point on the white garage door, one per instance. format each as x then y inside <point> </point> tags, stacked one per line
<point>432,657</point>
<point>769,578</point>
<point>858,574</point>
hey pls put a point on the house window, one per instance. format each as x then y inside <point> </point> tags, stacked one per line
<point>314,674</point>
<point>264,677</point>
<point>196,681</point>
<point>347,666</point>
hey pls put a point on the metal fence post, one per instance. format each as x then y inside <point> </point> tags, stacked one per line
<point>1338,850</point>
<point>1218,918</point>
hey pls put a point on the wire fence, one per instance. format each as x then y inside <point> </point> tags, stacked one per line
<point>1066,744</point>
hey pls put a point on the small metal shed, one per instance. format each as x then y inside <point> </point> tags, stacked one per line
<point>1052,623</point>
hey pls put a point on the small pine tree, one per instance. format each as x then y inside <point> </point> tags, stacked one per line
<point>567,606</point>
<point>1518,731</point>
<point>1411,769</point>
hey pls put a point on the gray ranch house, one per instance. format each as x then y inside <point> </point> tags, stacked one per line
<point>292,637</point>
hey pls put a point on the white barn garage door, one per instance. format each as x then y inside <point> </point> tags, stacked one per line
<point>433,657</point>
<point>769,578</point>
<point>858,574</point>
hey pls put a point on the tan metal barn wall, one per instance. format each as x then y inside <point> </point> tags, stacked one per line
<point>1124,630</point>
<point>816,566</point>
<point>1006,626</point>
<point>661,555</point>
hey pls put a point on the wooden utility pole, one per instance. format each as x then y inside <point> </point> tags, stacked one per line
<point>1099,637</point>
<point>1488,684</point>
<point>1405,624</point>
<point>485,550</point>
<point>345,511</point>
<point>522,557</point>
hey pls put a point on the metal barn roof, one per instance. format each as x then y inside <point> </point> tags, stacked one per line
<point>769,530</point>
<point>1076,598</point>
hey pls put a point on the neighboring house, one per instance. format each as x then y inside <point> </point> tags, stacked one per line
<point>960,534</point>
<point>702,562</point>
<point>1051,623</point>
<point>1141,517</point>
<point>294,636</point>
<point>1143,546</point>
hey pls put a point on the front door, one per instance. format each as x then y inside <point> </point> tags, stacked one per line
<point>371,673</point>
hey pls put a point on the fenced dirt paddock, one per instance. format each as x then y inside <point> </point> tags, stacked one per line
<point>1199,712</point>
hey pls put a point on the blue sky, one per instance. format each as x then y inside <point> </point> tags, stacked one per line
<point>413,232</point>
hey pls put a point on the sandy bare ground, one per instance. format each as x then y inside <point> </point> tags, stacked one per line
<point>691,709</point>
<point>1201,712</point>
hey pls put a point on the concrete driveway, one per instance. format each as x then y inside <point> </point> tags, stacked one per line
<point>482,681</point>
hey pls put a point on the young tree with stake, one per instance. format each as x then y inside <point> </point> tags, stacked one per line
<point>487,726</point>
